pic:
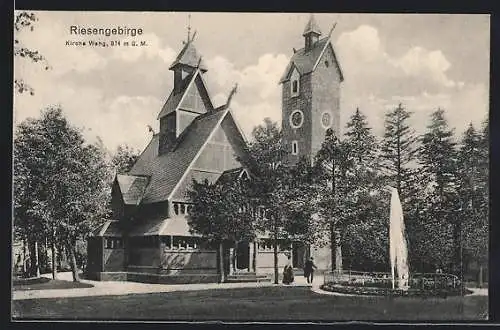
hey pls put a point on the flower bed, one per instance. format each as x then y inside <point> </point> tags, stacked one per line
<point>384,291</point>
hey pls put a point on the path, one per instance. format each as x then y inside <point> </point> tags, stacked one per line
<point>116,288</point>
<point>110,288</point>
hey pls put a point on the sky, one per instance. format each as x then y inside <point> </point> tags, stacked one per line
<point>424,61</point>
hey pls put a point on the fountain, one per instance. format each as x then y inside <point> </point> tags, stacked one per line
<point>398,251</point>
<point>399,282</point>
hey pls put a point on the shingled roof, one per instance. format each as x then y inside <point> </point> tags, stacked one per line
<point>111,228</point>
<point>175,226</point>
<point>132,187</point>
<point>311,26</point>
<point>175,98</point>
<point>189,56</point>
<point>305,61</point>
<point>167,170</point>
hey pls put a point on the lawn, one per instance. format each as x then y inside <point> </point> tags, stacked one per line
<point>252,304</point>
<point>43,283</point>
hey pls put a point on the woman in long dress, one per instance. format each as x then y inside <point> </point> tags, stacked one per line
<point>288,272</point>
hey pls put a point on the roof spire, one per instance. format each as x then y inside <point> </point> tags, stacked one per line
<point>311,27</point>
<point>189,28</point>
<point>233,91</point>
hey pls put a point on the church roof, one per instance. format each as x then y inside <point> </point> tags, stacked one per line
<point>167,170</point>
<point>231,175</point>
<point>175,98</point>
<point>175,226</point>
<point>189,56</point>
<point>305,61</point>
<point>311,27</point>
<point>132,188</point>
<point>111,228</point>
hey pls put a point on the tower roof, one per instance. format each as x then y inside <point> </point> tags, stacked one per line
<point>311,27</point>
<point>306,61</point>
<point>189,56</point>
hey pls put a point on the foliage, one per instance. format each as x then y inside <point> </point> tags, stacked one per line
<point>221,211</point>
<point>24,20</point>
<point>350,193</point>
<point>435,234</point>
<point>124,158</point>
<point>59,181</point>
<point>473,190</point>
<point>438,155</point>
<point>398,151</point>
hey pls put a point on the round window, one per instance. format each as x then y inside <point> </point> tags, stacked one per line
<point>296,119</point>
<point>326,119</point>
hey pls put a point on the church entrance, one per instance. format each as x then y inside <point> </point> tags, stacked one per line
<point>300,252</point>
<point>242,255</point>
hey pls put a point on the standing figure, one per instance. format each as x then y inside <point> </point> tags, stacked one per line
<point>309,270</point>
<point>288,272</point>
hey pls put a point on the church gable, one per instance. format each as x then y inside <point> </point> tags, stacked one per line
<point>220,154</point>
<point>328,60</point>
<point>196,98</point>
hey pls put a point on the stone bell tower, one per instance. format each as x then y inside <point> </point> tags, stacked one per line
<point>310,94</point>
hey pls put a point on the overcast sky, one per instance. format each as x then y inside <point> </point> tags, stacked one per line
<point>423,61</point>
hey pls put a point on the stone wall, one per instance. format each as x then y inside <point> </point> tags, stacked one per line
<point>289,104</point>
<point>325,83</point>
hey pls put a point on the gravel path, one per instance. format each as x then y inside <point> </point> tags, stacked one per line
<point>109,288</point>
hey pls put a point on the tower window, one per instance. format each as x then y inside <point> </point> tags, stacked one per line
<point>326,119</point>
<point>327,64</point>
<point>295,148</point>
<point>294,82</point>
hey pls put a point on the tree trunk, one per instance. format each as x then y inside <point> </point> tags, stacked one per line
<point>338,251</point>
<point>222,277</point>
<point>333,248</point>
<point>235,257</point>
<point>54,263</point>
<point>74,268</point>
<point>480,282</point>
<point>36,261</point>
<point>275,253</point>
<point>24,257</point>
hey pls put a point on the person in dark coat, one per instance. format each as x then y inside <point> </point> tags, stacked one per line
<point>288,272</point>
<point>309,270</point>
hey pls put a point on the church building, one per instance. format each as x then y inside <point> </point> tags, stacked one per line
<point>148,238</point>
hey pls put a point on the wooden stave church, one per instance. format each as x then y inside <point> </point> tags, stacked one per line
<point>149,239</point>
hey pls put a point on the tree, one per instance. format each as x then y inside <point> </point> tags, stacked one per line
<point>64,179</point>
<point>221,212</point>
<point>437,155</point>
<point>398,150</point>
<point>276,188</point>
<point>349,171</point>
<point>25,20</point>
<point>332,164</point>
<point>362,142</point>
<point>473,218</point>
<point>124,158</point>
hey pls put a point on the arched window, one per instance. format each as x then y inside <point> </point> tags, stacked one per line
<point>294,83</point>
